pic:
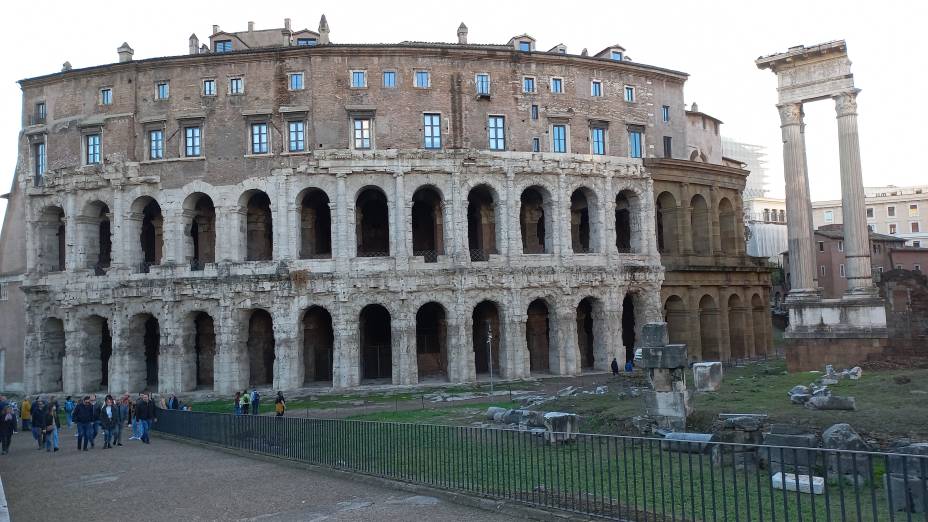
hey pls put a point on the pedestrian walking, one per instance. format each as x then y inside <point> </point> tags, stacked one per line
<point>109,418</point>
<point>255,401</point>
<point>134,419</point>
<point>69,410</point>
<point>51,426</point>
<point>38,422</point>
<point>615,367</point>
<point>173,403</point>
<point>83,417</point>
<point>280,405</point>
<point>26,414</point>
<point>246,409</point>
<point>96,418</point>
<point>7,425</point>
<point>145,411</point>
<point>237,403</point>
<point>123,409</point>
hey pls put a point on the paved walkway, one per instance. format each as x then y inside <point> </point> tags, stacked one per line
<point>173,481</point>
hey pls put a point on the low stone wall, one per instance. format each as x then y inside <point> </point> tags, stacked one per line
<point>803,355</point>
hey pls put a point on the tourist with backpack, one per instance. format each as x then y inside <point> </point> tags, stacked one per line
<point>68,410</point>
<point>7,425</point>
<point>280,405</point>
<point>245,401</point>
<point>83,416</point>
<point>255,400</point>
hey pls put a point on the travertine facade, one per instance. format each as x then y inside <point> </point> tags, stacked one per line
<point>211,220</point>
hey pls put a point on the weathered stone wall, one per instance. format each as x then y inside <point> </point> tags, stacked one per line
<point>12,299</point>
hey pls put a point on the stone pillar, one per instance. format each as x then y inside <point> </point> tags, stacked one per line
<point>402,210</point>
<point>565,339</point>
<point>340,242</point>
<point>170,356</point>
<point>458,369</point>
<point>231,373</point>
<point>514,356</point>
<point>510,216</point>
<point>346,371</point>
<point>288,372</point>
<point>799,225</point>
<point>856,235</point>
<point>684,222</point>
<point>405,362</point>
<point>714,221</point>
<point>71,365</point>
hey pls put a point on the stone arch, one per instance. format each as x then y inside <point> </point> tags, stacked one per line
<point>737,327</point>
<point>760,317</point>
<point>315,224</point>
<point>142,352</point>
<point>376,342</point>
<point>700,225</point>
<point>584,221</point>
<point>432,340</point>
<point>372,223</point>
<point>427,223</point>
<point>50,377</point>
<point>709,328</point>
<point>728,227</point>
<point>200,351</point>
<point>259,225</point>
<point>147,223</point>
<point>260,348</point>
<point>52,243</point>
<point>95,354</point>
<point>485,322</point>
<point>95,232</point>
<point>666,217</point>
<point>591,333</point>
<point>627,222</point>
<point>318,345</point>
<point>199,230</point>
<point>538,336</point>
<point>629,325</point>
<point>536,220</point>
<point>676,316</point>
<point>482,222</point>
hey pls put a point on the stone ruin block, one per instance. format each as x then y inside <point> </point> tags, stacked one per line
<point>667,379</point>
<point>798,452</point>
<point>561,427</point>
<point>668,404</point>
<point>654,335</point>
<point>707,376</point>
<point>803,483</point>
<point>669,356</point>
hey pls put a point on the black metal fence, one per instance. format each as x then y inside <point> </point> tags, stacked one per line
<point>625,478</point>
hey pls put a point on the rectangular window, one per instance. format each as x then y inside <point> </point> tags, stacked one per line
<point>913,210</point>
<point>162,90</point>
<point>40,112</point>
<point>634,144</point>
<point>870,212</point>
<point>106,96</point>
<point>39,157</point>
<point>596,88</point>
<point>559,138</point>
<point>841,269</point>
<point>296,81</point>
<point>362,133</point>
<point>306,42</point>
<point>209,87</point>
<point>917,267</point>
<point>917,244</point>
<point>840,246</point>
<point>871,228</point>
<point>236,86</point>
<point>358,79</point>
<point>156,144</point>
<point>389,79</point>
<point>914,227</point>
<point>192,138</point>
<point>296,136</point>
<point>821,246</point>
<point>534,112</point>
<point>823,269</point>
<point>668,147</point>
<point>259,138</point>
<point>891,211</point>
<point>536,145</point>
<point>525,45</point>
<point>617,56</point>
<point>829,216</point>
<point>92,145</point>
<point>528,84</point>
<point>598,141</point>
<point>557,85</point>
<point>665,113</point>
<point>432,130</point>
<point>423,81</point>
<point>629,93</point>
<point>496,132</point>
<point>483,84</point>
<point>892,228</point>
<point>222,46</point>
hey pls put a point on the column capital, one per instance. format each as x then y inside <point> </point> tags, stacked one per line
<point>790,114</point>
<point>846,103</point>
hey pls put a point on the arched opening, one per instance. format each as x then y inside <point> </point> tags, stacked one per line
<point>318,345</point>
<point>376,343</point>
<point>431,341</point>
<point>144,346</point>
<point>94,229</point>
<point>51,358</point>
<point>736,327</point>
<point>666,216</point>
<point>728,227</point>
<point>580,222</point>
<point>761,323</point>
<point>260,346</point>
<point>151,237</point>
<point>675,315</point>
<point>586,337</point>
<point>51,237</point>
<point>481,223</point>
<point>97,349</point>
<point>315,225</point>
<point>628,326</point>
<point>204,349</point>
<point>259,227</point>
<point>623,223</point>
<point>372,223</point>
<point>709,328</point>
<point>700,226</point>
<point>486,337</point>
<point>200,240</point>
<point>427,224</point>
<point>534,217</point>
<point>538,336</point>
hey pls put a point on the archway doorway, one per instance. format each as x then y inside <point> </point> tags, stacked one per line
<point>376,343</point>
<point>318,345</point>
<point>260,346</point>
<point>431,341</point>
<point>628,327</point>
<point>537,336</point>
<point>485,335</point>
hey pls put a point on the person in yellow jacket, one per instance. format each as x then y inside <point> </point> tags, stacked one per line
<point>26,414</point>
<point>280,405</point>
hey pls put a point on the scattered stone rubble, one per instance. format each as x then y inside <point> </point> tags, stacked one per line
<point>669,401</point>
<point>817,395</point>
<point>554,426</point>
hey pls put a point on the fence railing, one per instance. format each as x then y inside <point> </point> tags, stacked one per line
<point>623,478</point>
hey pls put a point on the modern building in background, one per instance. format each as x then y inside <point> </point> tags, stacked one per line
<point>754,158</point>
<point>896,211</point>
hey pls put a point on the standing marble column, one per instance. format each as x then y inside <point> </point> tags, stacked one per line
<point>856,235</point>
<point>799,226</point>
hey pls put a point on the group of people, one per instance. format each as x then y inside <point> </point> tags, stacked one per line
<point>91,416</point>
<point>246,402</point>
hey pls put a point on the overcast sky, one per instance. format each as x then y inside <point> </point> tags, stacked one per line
<point>716,42</point>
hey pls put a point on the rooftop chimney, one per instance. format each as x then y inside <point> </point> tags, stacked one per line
<point>204,49</point>
<point>584,52</point>
<point>125,53</point>
<point>462,33</point>
<point>287,24</point>
<point>251,26</point>
<point>323,31</point>
<point>194,44</point>
<point>66,66</point>
<point>215,29</point>
<point>695,107</point>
